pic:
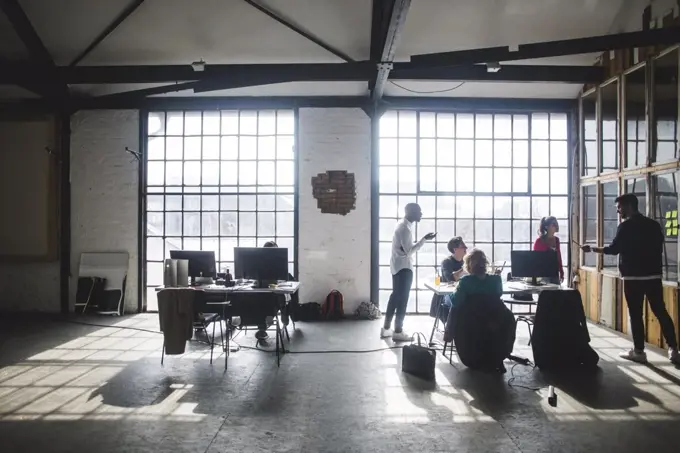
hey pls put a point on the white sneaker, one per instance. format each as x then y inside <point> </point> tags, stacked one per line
<point>634,356</point>
<point>401,336</point>
<point>674,356</point>
<point>385,333</point>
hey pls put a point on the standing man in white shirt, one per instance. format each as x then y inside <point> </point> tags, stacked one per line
<point>403,249</point>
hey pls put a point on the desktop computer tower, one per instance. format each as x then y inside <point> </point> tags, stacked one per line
<point>176,273</point>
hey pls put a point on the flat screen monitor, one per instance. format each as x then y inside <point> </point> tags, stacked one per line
<point>201,263</point>
<point>534,265</point>
<point>263,264</point>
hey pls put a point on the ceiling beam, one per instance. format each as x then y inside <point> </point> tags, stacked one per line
<point>399,10</point>
<point>24,29</point>
<point>14,73</point>
<point>39,54</point>
<point>131,8</point>
<point>338,53</point>
<point>647,38</point>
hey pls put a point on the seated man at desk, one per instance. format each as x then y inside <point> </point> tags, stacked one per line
<point>262,334</point>
<point>452,267</point>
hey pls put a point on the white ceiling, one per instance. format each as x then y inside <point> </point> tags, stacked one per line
<point>231,31</point>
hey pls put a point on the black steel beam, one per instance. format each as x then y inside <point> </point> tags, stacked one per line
<point>299,31</point>
<point>24,29</point>
<point>131,8</point>
<point>287,102</point>
<point>357,71</point>
<point>507,73</point>
<point>397,19</point>
<point>64,210</point>
<point>36,49</point>
<point>647,38</point>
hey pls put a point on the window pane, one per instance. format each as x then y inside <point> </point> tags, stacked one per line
<point>502,231</point>
<point>465,125</point>
<point>388,124</point>
<point>445,153</point>
<point>484,180</point>
<point>407,152</point>
<point>465,180</point>
<point>540,127</point>
<point>388,148</point>
<point>666,199</point>
<point>589,124</point>
<point>502,180</point>
<point>666,108</point>
<point>428,153</point>
<point>484,126</point>
<point>465,153</point>
<point>210,225</point>
<point>540,155</point>
<point>502,153</point>
<point>407,124</point>
<point>446,125</point>
<point>502,207</point>
<point>520,153</point>
<point>589,206</point>
<point>611,219</point>
<point>484,153</point>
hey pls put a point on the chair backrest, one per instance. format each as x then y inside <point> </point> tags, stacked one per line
<point>560,337</point>
<point>483,331</point>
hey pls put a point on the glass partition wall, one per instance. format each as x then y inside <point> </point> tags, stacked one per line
<point>629,144</point>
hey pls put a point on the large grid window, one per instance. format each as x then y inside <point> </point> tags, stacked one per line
<point>218,180</point>
<point>486,177</point>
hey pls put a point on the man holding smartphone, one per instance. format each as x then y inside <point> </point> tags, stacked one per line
<point>639,244</point>
<point>401,266</point>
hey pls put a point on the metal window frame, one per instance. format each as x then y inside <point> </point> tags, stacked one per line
<point>377,195</point>
<point>198,190</point>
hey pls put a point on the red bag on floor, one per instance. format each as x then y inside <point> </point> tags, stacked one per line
<point>333,307</point>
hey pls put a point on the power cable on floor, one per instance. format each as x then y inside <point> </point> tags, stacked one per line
<point>511,380</point>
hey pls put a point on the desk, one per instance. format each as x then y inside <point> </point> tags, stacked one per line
<point>508,288</point>
<point>247,303</point>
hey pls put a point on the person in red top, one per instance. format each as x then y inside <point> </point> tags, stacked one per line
<point>547,240</point>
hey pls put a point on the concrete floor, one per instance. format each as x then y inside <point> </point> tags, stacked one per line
<point>66,386</point>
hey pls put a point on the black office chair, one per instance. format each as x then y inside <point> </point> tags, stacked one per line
<point>483,331</point>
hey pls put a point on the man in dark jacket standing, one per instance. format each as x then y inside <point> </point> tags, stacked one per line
<point>639,244</point>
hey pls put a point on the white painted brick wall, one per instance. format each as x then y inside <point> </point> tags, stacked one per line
<point>334,250</point>
<point>104,190</point>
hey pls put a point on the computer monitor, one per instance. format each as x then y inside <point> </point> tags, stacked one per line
<point>265,265</point>
<point>534,265</point>
<point>201,263</point>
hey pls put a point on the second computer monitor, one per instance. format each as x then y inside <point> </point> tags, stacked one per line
<point>263,264</point>
<point>534,265</point>
<point>201,263</point>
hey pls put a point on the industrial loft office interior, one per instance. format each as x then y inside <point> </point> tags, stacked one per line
<point>266,151</point>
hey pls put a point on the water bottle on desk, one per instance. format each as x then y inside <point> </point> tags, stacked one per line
<point>437,277</point>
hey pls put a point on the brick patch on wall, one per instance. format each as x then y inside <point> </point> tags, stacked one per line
<point>335,192</point>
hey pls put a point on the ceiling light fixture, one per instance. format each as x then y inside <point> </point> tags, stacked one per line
<point>198,66</point>
<point>493,67</point>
